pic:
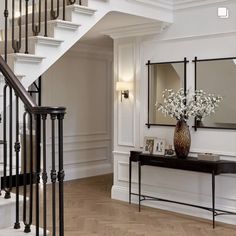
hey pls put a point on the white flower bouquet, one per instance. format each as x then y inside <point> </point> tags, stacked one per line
<point>181,105</point>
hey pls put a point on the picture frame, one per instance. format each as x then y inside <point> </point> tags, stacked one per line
<point>149,143</point>
<point>159,146</point>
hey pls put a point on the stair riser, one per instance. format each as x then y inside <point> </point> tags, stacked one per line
<point>19,64</point>
<point>50,30</point>
<point>42,17</point>
<point>33,46</point>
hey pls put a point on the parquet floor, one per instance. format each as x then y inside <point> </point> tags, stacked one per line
<point>89,211</point>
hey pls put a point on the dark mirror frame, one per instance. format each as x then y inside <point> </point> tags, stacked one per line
<point>196,60</point>
<point>148,64</point>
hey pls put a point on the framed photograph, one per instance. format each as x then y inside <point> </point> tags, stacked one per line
<point>149,144</point>
<point>159,146</point>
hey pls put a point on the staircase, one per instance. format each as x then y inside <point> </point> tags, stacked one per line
<point>37,33</point>
<point>62,34</point>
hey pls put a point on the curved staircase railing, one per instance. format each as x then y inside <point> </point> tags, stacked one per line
<point>35,155</point>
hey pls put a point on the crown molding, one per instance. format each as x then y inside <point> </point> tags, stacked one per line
<point>178,4</point>
<point>136,30</point>
<point>185,4</point>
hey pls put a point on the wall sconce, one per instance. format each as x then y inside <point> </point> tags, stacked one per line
<point>124,87</point>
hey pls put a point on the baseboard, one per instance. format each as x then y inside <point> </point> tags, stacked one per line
<point>121,193</point>
<point>84,171</point>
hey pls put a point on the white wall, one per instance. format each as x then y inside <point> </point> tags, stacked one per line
<point>81,81</point>
<point>1,16</point>
<point>197,31</point>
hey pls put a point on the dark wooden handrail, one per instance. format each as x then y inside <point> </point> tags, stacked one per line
<point>21,92</point>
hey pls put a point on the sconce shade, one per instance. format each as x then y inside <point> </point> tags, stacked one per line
<point>123,86</point>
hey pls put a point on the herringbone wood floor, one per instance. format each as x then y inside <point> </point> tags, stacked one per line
<point>90,211</point>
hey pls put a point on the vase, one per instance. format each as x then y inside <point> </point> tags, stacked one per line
<point>182,139</point>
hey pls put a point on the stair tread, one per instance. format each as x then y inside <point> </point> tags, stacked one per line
<point>89,9</point>
<point>37,37</point>
<point>12,200</point>
<point>20,232</point>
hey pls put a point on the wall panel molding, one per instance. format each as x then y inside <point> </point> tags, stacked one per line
<point>82,171</point>
<point>87,143</point>
<point>126,108</point>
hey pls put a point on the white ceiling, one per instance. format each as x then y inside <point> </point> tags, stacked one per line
<point>113,20</point>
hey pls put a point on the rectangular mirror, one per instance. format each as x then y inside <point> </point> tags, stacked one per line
<point>161,76</point>
<point>218,76</point>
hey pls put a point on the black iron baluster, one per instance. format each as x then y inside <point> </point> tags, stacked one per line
<point>61,174</point>
<point>64,10</point>
<point>54,13</point>
<point>40,91</point>
<point>26,26</point>
<point>37,167</point>
<point>10,138</point>
<point>53,177</point>
<point>5,153</point>
<point>17,151</point>
<point>16,44</point>
<point>24,167</point>
<point>7,184</point>
<point>46,18</point>
<point>32,173</point>
<point>36,28</point>
<point>25,145</point>
<point>44,177</point>
<point>6,14</point>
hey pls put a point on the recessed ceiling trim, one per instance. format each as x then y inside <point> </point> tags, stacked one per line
<point>136,30</point>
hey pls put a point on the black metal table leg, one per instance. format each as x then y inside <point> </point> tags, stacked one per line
<point>139,186</point>
<point>213,198</point>
<point>130,179</point>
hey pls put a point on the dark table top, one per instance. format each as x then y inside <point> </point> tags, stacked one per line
<point>190,163</point>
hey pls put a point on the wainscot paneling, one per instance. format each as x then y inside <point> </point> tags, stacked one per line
<point>181,39</point>
<point>84,79</point>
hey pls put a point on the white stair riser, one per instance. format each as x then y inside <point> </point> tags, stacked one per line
<point>33,44</point>
<point>50,30</point>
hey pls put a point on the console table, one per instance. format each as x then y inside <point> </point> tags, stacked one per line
<point>190,164</point>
